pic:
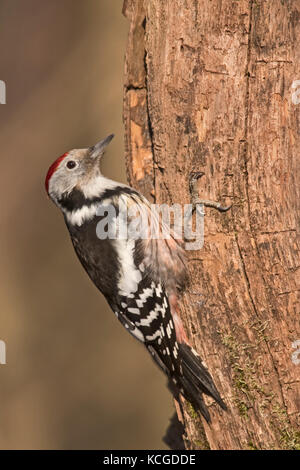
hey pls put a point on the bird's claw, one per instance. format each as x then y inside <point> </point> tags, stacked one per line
<point>194,176</point>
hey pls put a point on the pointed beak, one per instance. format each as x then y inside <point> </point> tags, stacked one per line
<point>98,149</point>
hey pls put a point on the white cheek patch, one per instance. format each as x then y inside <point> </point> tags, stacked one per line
<point>61,182</point>
<point>97,186</point>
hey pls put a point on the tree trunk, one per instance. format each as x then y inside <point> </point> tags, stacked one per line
<point>212,86</point>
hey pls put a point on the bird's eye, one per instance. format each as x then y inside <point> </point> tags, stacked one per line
<point>71,164</point>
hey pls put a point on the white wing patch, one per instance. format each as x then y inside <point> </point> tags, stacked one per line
<point>145,294</point>
<point>134,310</point>
<point>158,290</point>
<point>130,275</point>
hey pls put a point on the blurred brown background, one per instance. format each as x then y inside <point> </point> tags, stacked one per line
<point>73,379</point>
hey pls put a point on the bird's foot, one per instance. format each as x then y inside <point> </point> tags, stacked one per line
<point>196,200</point>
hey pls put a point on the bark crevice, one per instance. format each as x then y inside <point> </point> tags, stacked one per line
<point>151,133</point>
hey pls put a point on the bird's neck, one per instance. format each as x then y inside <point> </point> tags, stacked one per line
<point>80,205</point>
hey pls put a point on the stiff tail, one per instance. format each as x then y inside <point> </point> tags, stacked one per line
<point>196,380</point>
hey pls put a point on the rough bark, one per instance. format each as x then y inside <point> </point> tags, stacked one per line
<point>208,87</point>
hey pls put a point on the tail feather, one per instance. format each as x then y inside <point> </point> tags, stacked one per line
<point>196,380</point>
<point>195,397</point>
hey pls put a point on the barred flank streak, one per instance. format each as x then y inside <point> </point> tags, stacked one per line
<point>140,278</point>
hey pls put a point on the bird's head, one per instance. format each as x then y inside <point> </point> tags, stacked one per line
<point>75,170</point>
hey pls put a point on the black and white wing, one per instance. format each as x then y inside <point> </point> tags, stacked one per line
<point>147,316</point>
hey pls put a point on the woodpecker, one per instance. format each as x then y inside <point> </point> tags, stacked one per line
<point>141,279</point>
